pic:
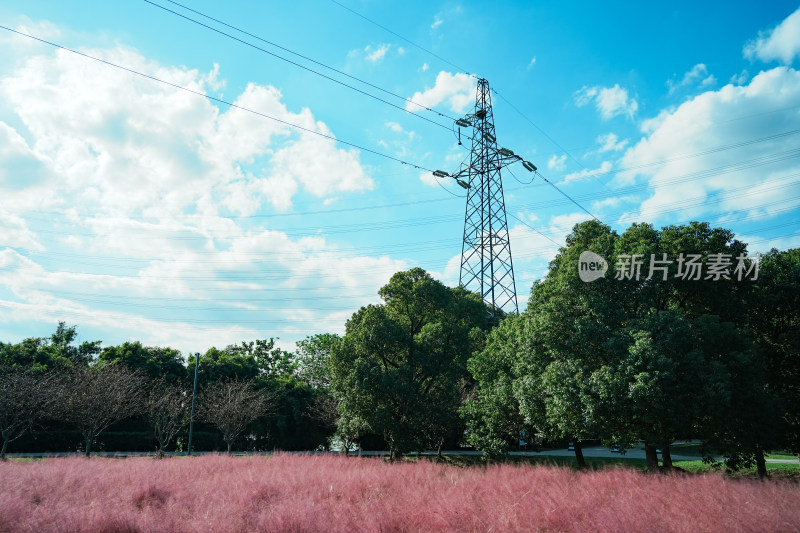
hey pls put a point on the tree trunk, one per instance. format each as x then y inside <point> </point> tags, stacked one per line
<point>651,457</point>
<point>761,464</point>
<point>579,454</point>
<point>3,451</point>
<point>88,446</point>
<point>666,458</point>
<point>229,447</point>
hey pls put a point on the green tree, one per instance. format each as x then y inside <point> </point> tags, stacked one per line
<point>626,357</point>
<point>312,359</point>
<point>774,320</point>
<point>153,362</point>
<point>58,350</point>
<point>313,369</point>
<point>219,365</point>
<point>401,366</point>
<point>493,417</point>
<point>272,362</point>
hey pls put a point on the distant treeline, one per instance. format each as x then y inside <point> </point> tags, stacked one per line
<point>651,335</point>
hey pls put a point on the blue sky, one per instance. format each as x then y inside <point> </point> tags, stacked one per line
<point>138,211</point>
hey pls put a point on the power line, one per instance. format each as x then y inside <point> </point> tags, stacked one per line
<point>777,157</point>
<point>567,196</point>
<point>467,72</point>
<point>532,123</point>
<point>515,217</point>
<point>219,100</point>
<point>405,99</point>
<point>294,62</point>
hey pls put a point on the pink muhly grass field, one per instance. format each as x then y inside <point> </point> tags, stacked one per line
<point>339,494</point>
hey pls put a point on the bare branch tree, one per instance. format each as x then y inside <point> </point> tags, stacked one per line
<point>233,405</point>
<point>167,410</point>
<point>24,397</point>
<point>91,399</point>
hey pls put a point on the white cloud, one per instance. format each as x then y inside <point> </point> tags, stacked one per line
<point>698,75</point>
<point>401,141</point>
<point>395,127</point>
<point>456,89</point>
<point>781,43</point>
<point>373,55</point>
<point>609,101</point>
<point>610,143</point>
<point>436,23</point>
<point>721,181</point>
<point>557,162</point>
<point>605,168</point>
<point>532,62</point>
<point>428,179</point>
<point>599,206</point>
<point>319,166</point>
<point>424,67</point>
<point>117,186</point>
<point>741,78</point>
<point>149,136</point>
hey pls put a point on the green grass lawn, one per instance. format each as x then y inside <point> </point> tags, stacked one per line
<point>781,455</point>
<point>786,471</point>
<point>776,471</point>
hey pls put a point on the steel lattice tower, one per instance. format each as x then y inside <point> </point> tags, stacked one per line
<point>486,264</point>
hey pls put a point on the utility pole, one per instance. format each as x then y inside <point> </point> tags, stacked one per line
<point>486,263</point>
<point>194,397</point>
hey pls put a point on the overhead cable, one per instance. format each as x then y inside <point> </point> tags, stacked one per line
<point>298,65</point>
<point>321,64</point>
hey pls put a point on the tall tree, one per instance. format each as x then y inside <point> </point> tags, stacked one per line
<point>401,365</point>
<point>626,356</point>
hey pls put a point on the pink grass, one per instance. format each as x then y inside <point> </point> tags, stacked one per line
<point>325,493</point>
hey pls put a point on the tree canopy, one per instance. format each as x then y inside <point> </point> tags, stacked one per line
<point>400,368</point>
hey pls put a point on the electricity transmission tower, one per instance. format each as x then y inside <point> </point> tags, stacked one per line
<point>486,264</point>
